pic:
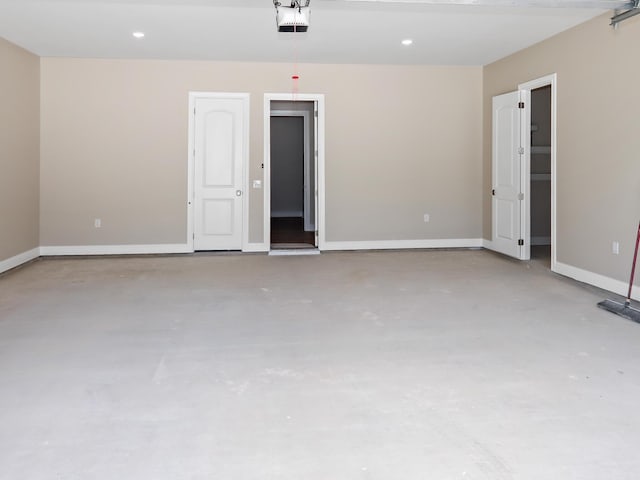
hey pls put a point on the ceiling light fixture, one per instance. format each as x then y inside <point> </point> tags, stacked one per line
<point>138,34</point>
<point>407,41</point>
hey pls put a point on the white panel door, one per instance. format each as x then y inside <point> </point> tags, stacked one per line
<point>507,170</point>
<point>218,173</point>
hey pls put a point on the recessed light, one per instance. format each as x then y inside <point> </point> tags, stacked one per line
<point>138,34</point>
<point>407,41</point>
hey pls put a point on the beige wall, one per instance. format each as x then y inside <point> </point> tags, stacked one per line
<point>19,150</point>
<point>400,142</point>
<point>598,156</point>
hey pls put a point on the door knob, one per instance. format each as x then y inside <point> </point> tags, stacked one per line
<point>238,193</point>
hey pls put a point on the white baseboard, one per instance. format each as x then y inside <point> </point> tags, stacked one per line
<point>256,247</point>
<point>404,244</point>
<point>19,259</point>
<point>116,249</point>
<point>540,240</point>
<point>597,280</point>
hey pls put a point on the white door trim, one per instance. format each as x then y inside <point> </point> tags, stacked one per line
<point>266,174</point>
<point>193,96</point>
<point>308,188</point>
<point>525,176</point>
<point>552,80</point>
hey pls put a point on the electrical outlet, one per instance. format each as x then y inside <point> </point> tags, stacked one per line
<point>426,218</point>
<point>615,248</point>
<point>97,223</point>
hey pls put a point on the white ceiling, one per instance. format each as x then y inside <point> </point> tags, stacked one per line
<point>245,30</point>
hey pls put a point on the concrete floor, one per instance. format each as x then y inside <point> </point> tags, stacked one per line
<point>341,366</point>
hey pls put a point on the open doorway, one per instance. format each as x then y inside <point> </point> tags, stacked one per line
<point>310,106</point>
<point>514,173</point>
<point>292,175</point>
<point>540,174</point>
<point>541,169</point>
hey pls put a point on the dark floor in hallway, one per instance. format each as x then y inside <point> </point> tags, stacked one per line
<point>290,230</point>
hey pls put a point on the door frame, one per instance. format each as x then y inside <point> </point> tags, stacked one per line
<point>547,80</point>
<point>193,97</point>
<point>318,100</point>
<point>308,188</point>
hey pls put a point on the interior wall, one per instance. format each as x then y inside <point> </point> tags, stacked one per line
<point>309,107</point>
<point>598,167</point>
<point>287,166</point>
<point>19,150</point>
<point>401,141</point>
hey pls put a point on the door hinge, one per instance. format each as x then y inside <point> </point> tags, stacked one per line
<point>521,242</point>
<point>520,104</point>
<point>521,196</point>
<point>521,151</point>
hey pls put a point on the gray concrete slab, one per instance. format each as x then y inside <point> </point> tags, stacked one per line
<point>367,365</point>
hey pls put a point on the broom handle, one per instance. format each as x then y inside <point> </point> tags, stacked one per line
<point>633,267</point>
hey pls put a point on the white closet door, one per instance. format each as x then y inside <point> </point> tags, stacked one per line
<point>508,167</point>
<point>218,173</point>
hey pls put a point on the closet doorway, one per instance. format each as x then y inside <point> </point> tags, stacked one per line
<point>521,162</point>
<point>540,174</point>
<point>541,169</point>
<point>308,226</point>
<point>292,177</point>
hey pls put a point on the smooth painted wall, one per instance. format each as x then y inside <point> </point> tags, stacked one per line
<point>287,166</point>
<point>598,146</point>
<point>19,150</point>
<point>304,106</point>
<point>401,141</point>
